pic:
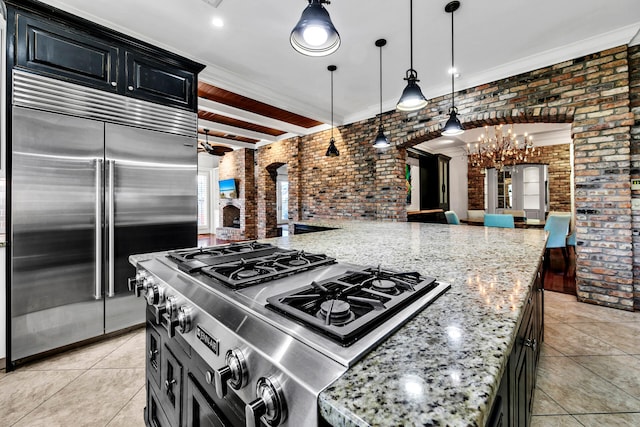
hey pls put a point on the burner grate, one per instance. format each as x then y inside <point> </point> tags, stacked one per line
<point>346,307</point>
<point>246,272</point>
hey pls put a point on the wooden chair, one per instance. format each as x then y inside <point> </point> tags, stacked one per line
<point>518,215</point>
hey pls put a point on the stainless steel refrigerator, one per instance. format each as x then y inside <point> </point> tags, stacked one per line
<point>95,177</point>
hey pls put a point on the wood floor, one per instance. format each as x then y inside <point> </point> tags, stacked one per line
<point>560,276</point>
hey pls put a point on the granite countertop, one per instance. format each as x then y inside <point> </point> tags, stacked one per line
<point>444,366</point>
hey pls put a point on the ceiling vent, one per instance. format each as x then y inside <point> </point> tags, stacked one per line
<point>214,3</point>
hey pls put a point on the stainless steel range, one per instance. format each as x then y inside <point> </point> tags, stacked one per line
<point>250,333</point>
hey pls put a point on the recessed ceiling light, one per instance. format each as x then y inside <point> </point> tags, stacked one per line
<point>454,71</point>
<point>217,22</point>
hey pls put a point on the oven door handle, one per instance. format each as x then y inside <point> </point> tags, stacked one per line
<point>111,228</point>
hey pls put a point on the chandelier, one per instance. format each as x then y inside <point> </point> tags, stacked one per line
<point>503,149</point>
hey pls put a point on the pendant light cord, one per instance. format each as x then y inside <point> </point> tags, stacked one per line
<point>380,85</point>
<point>452,63</point>
<point>331,104</point>
<point>411,32</point>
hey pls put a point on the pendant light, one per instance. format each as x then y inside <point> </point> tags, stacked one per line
<point>314,34</point>
<point>453,125</point>
<point>381,140</point>
<point>412,98</point>
<point>332,151</point>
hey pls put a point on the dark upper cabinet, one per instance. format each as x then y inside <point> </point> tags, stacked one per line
<point>47,41</point>
<point>159,82</point>
<point>60,52</point>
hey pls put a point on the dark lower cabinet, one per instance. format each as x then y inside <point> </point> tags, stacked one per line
<point>180,386</point>
<point>514,400</point>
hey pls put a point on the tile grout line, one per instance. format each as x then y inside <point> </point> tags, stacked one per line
<point>125,405</point>
<point>84,371</point>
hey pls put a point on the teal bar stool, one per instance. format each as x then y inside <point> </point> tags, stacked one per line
<point>499,220</point>
<point>452,218</point>
<point>558,228</point>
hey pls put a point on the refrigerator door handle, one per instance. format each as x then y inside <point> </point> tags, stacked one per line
<point>111,228</point>
<point>98,236</point>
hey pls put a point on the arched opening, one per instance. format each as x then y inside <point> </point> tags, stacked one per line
<point>275,173</point>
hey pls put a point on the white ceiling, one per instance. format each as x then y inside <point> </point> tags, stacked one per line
<point>251,54</point>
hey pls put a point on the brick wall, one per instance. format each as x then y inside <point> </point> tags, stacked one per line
<point>269,159</point>
<point>634,86</point>
<point>557,157</point>
<point>592,93</point>
<point>239,166</point>
<point>362,183</point>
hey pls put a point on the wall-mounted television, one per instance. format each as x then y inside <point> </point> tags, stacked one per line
<point>228,189</point>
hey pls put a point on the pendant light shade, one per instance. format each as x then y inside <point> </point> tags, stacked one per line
<point>453,125</point>
<point>381,140</point>
<point>332,151</point>
<point>314,34</point>
<point>412,98</point>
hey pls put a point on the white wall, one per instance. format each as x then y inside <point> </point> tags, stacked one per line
<point>415,184</point>
<point>209,163</point>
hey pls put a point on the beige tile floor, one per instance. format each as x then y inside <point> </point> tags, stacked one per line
<point>589,373</point>
<point>589,376</point>
<point>101,384</point>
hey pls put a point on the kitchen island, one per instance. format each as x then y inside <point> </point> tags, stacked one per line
<point>467,359</point>
<point>444,367</point>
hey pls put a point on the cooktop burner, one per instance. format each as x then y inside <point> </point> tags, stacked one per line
<point>192,260</point>
<point>347,306</point>
<point>249,271</point>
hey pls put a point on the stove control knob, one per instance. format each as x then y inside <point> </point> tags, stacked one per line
<point>185,319</point>
<point>234,372</point>
<point>155,294</point>
<point>171,306</point>
<point>139,283</point>
<point>270,404</point>
<point>159,311</point>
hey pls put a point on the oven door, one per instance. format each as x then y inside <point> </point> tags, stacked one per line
<point>201,410</point>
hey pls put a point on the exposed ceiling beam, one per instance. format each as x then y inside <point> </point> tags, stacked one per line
<point>227,142</point>
<point>236,113</point>
<point>235,130</point>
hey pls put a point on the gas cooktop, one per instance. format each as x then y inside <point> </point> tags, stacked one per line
<point>299,291</point>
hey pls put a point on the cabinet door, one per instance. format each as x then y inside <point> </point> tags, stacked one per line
<point>155,416</point>
<point>59,51</point>
<point>171,395</point>
<point>159,82</point>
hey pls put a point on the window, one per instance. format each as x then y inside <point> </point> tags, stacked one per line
<point>283,201</point>
<point>204,195</point>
